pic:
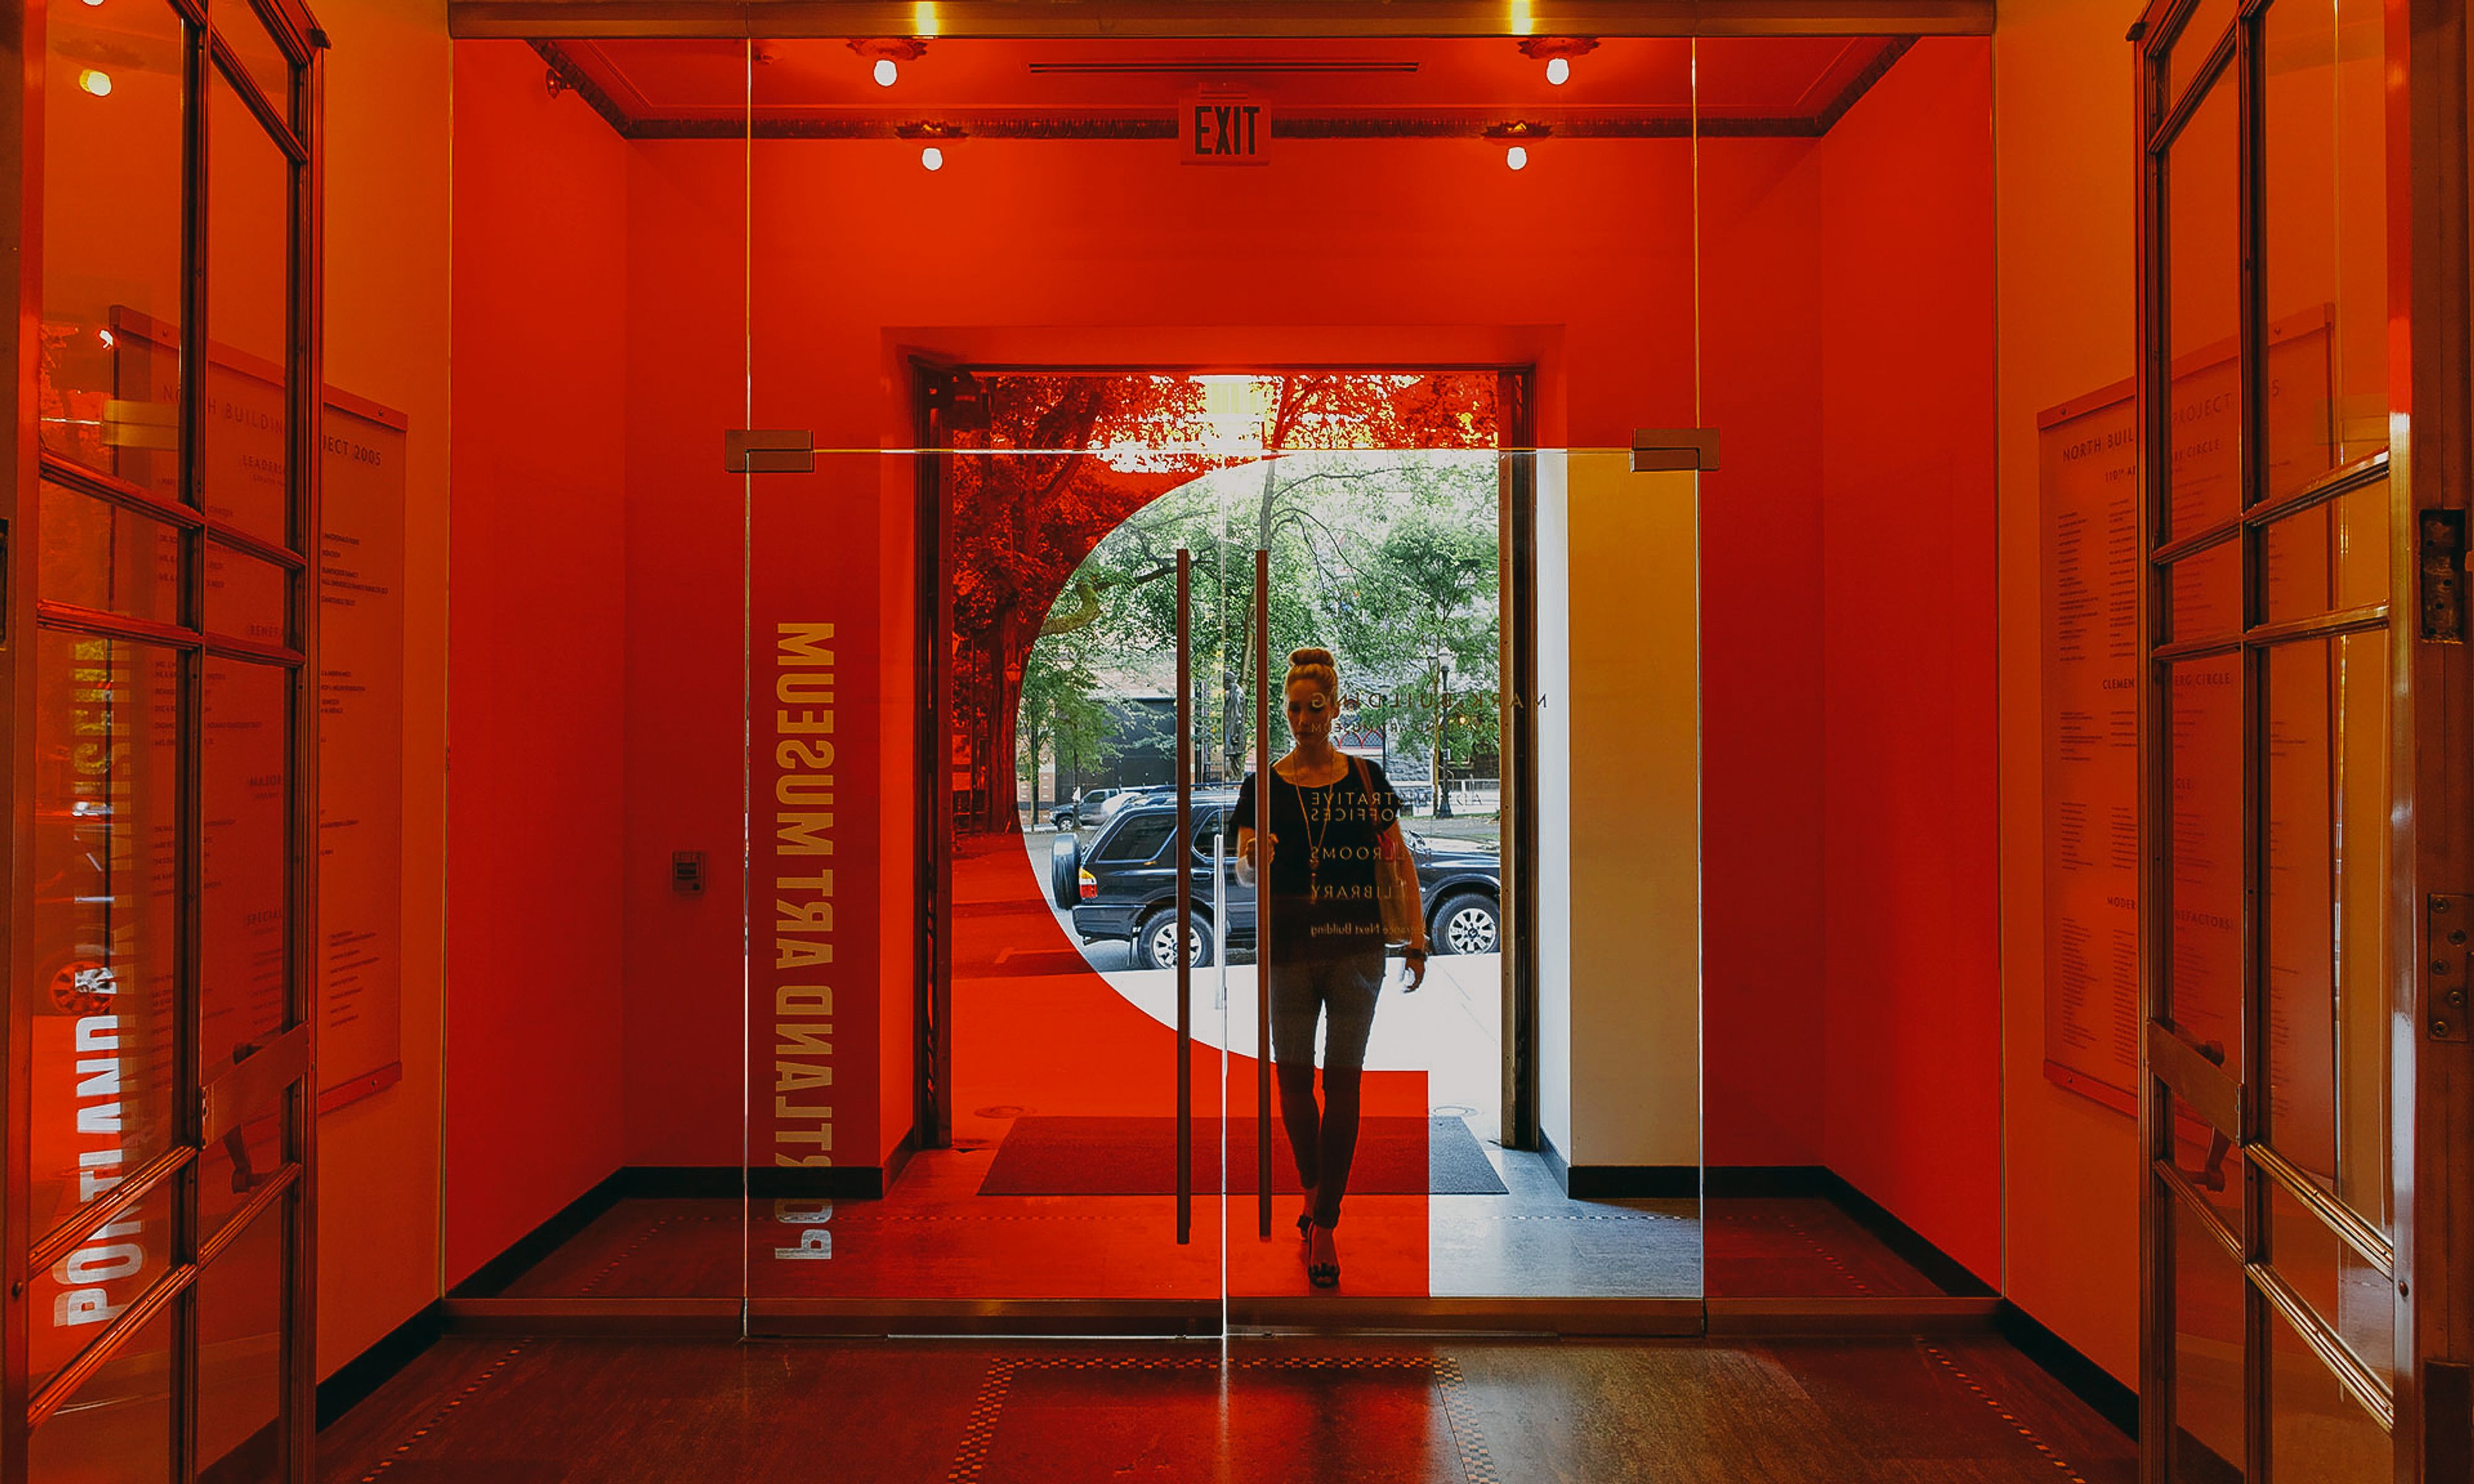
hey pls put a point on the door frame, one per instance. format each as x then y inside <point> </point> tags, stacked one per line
<point>278,1078</point>
<point>2430,1110</point>
<point>935,406</point>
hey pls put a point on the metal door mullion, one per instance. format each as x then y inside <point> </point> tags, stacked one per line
<point>188,733</point>
<point>298,1372</point>
<point>2157,1306</point>
<point>2251,464</point>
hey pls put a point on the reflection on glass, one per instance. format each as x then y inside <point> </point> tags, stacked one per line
<point>245,596</point>
<point>2207,1351</point>
<point>238,1165</point>
<point>2350,1294</point>
<point>98,555</point>
<point>118,1425</point>
<point>69,1304</point>
<point>2204,594</point>
<point>249,415</point>
<point>2202,287</point>
<point>110,390</point>
<point>2327,882</point>
<point>240,1304</point>
<point>2326,211</point>
<point>243,922</point>
<point>2317,1430</point>
<point>261,57</point>
<point>2203,702</point>
<point>101,996</point>
<point>2193,42</point>
<point>2204,1156</point>
<point>2331,557</point>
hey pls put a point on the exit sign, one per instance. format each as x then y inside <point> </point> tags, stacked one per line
<point>1224,126</point>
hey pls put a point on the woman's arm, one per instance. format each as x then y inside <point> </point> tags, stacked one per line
<point>1396,846</point>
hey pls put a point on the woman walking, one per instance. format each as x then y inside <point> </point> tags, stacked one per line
<point>1335,824</point>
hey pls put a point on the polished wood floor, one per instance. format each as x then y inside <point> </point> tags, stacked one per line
<point>1897,1411</point>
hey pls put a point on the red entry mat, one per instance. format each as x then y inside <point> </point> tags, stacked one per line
<point>1395,1155</point>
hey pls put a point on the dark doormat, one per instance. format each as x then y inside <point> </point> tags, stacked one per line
<point>1395,1155</point>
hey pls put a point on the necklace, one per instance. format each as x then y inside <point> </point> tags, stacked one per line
<point>1314,837</point>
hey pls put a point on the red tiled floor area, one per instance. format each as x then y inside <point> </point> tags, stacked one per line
<point>1897,1411</point>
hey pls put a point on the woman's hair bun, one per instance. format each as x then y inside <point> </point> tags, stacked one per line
<point>1299,657</point>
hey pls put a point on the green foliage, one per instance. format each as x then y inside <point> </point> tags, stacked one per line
<point>1386,558</point>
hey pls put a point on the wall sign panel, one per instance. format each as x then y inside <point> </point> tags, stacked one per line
<point>2089,486</point>
<point>360,704</point>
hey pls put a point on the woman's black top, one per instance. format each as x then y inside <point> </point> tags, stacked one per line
<point>1323,860</point>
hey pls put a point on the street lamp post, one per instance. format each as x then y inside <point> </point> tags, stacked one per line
<point>1442,711</point>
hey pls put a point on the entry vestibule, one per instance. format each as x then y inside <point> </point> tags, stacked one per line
<point>1313,239</point>
<point>1847,907</point>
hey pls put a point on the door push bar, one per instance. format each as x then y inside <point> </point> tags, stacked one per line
<point>1263,924</point>
<point>1182,851</point>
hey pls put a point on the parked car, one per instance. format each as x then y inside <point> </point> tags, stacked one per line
<point>1125,886</point>
<point>1074,813</point>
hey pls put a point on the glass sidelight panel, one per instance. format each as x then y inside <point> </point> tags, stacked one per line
<point>119,1423</point>
<point>102,1002</point>
<point>241,1300</point>
<point>2204,708</point>
<point>2317,1429</point>
<point>114,82</point>
<point>2207,1351</point>
<point>2203,269</point>
<point>245,935</point>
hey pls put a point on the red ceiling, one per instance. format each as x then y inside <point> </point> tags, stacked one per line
<point>1741,78</point>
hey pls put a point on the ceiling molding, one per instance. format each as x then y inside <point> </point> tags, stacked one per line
<point>1212,19</point>
<point>1442,123</point>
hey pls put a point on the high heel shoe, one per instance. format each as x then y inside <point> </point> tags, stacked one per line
<point>1321,1274</point>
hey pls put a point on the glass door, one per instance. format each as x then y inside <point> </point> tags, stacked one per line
<point>161,1110</point>
<point>2279,1318</point>
<point>1026,555</point>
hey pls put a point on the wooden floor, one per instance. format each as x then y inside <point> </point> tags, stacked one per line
<point>1899,1411</point>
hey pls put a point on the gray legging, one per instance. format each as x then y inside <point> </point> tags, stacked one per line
<point>1345,988</point>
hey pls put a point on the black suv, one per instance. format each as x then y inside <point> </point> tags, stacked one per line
<point>1126,888</point>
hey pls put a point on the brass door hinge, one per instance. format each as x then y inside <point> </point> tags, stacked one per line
<point>2440,556</point>
<point>2448,928</point>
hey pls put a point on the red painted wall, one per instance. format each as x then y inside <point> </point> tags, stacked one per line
<point>1829,693</point>
<point>1913,1088</point>
<point>858,252</point>
<point>1760,678</point>
<point>534,1085</point>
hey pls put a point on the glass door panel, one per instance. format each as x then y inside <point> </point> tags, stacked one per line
<point>163,982</point>
<point>964,710</point>
<point>2267,744</point>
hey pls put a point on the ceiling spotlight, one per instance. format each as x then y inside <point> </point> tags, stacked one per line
<point>105,337</point>
<point>1517,157</point>
<point>931,158</point>
<point>1557,52</point>
<point>95,82</point>
<point>885,55</point>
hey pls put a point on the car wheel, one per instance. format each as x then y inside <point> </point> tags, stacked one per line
<point>1065,871</point>
<point>1467,923</point>
<point>1156,941</point>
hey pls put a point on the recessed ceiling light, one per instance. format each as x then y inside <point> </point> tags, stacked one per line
<point>931,158</point>
<point>1517,157</point>
<point>95,82</point>
<point>1559,70</point>
<point>886,72</point>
